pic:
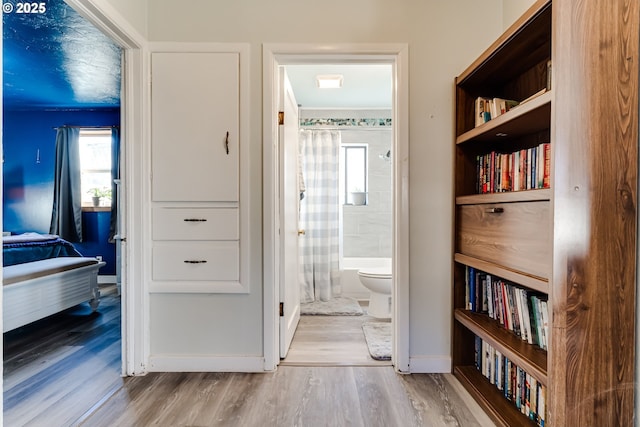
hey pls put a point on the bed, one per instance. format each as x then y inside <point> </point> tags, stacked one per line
<point>43,275</point>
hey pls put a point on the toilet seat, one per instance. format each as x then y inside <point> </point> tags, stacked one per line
<point>375,272</point>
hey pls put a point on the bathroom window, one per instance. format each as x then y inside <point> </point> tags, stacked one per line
<point>354,176</point>
<point>95,166</point>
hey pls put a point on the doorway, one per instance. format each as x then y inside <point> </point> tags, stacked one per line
<point>343,136</point>
<point>284,56</point>
<point>132,178</point>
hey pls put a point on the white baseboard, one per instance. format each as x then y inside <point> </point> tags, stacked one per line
<point>167,363</point>
<point>430,364</point>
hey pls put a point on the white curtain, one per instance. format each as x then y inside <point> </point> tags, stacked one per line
<point>319,215</point>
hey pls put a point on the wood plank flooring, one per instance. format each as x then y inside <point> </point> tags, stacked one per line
<point>291,396</point>
<point>65,372</point>
<point>56,369</point>
<point>331,341</point>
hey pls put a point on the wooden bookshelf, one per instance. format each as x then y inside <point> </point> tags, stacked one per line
<point>575,242</point>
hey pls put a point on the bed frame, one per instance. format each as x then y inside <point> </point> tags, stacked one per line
<point>37,289</point>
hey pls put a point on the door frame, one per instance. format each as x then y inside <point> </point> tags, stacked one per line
<point>134,168</point>
<point>396,54</point>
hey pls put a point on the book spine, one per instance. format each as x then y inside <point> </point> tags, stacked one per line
<point>472,288</point>
<point>466,287</point>
<point>544,312</point>
<point>547,166</point>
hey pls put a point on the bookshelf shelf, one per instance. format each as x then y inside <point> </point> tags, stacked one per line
<point>534,283</point>
<point>525,119</point>
<point>529,357</point>
<point>543,194</point>
<point>490,398</point>
<point>568,249</point>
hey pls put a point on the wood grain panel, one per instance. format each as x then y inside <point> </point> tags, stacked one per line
<point>595,137</point>
<point>517,237</point>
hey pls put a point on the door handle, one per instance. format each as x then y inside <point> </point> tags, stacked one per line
<point>301,232</point>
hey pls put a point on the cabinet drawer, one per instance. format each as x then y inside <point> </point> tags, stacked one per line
<point>514,235</point>
<point>209,261</point>
<point>195,224</point>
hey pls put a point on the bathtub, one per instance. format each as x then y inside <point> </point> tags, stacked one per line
<point>351,286</point>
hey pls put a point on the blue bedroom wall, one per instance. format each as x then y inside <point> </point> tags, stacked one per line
<point>28,163</point>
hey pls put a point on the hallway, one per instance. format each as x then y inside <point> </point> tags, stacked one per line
<point>65,371</point>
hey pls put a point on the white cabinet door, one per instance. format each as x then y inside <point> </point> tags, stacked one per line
<point>195,126</point>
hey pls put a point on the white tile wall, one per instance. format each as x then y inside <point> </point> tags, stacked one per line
<point>367,229</point>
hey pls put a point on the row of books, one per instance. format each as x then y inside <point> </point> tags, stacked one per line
<point>524,169</point>
<point>490,108</point>
<point>523,312</point>
<point>519,387</point>
<point>487,108</point>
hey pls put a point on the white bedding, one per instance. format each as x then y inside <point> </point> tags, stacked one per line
<point>28,237</point>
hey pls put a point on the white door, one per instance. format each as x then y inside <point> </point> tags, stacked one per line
<point>289,210</point>
<point>195,126</point>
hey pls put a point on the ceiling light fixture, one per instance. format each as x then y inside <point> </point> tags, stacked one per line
<point>329,81</point>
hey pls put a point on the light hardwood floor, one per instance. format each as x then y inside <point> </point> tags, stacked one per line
<point>56,369</point>
<point>331,341</point>
<point>65,372</point>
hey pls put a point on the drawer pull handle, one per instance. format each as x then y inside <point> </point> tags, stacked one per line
<point>195,220</point>
<point>195,261</point>
<point>495,210</point>
<point>226,143</point>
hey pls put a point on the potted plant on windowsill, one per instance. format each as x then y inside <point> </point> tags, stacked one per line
<point>99,193</point>
<point>359,198</point>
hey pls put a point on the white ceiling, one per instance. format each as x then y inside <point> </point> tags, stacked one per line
<point>366,86</point>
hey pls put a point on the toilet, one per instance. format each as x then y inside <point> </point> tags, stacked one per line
<point>378,281</point>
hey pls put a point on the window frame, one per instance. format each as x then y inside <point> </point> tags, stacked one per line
<point>106,132</point>
<point>344,185</point>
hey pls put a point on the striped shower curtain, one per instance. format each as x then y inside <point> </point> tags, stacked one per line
<point>319,215</point>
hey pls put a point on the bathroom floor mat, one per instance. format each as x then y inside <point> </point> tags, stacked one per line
<point>378,337</point>
<point>338,306</point>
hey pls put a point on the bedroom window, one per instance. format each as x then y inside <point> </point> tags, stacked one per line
<point>95,167</point>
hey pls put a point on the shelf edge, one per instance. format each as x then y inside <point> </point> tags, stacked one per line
<point>515,113</point>
<point>532,368</point>
<point>534,283</point>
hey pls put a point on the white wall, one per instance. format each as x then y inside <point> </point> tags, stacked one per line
<point>513,9</point>
<point>443,38</point>
<point>135,11</point>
